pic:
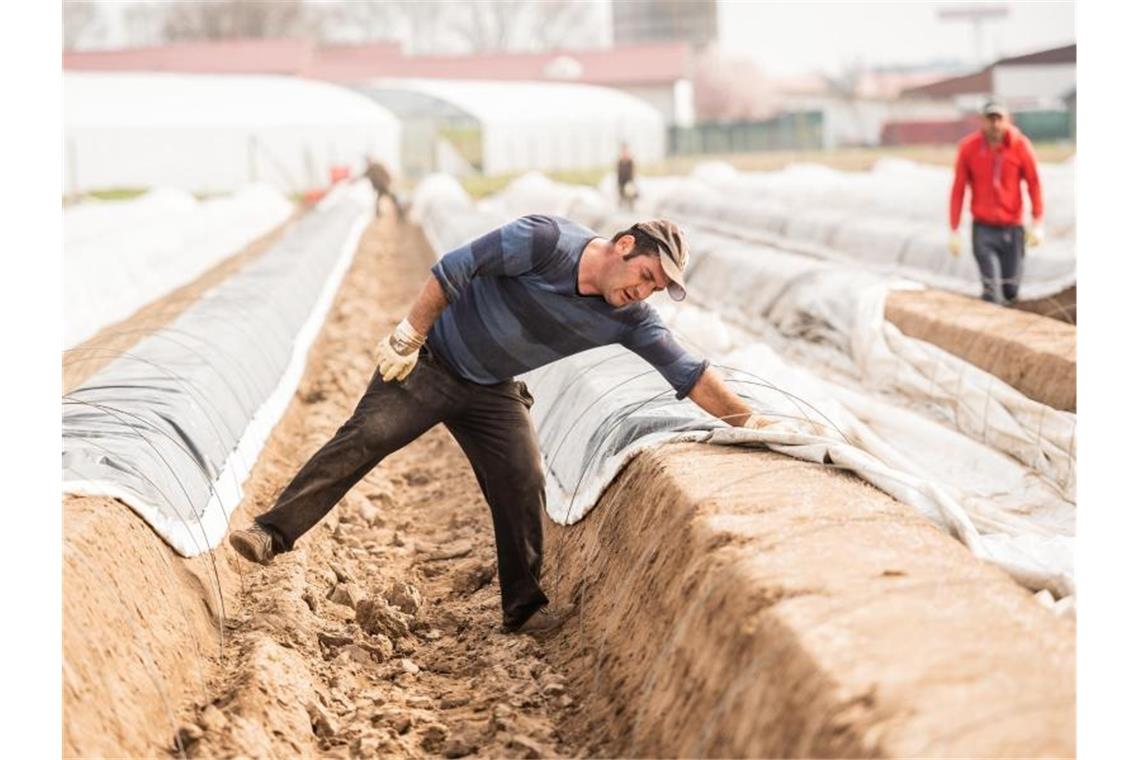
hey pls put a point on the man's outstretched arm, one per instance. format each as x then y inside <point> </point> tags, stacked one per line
<point>713,395</point>
<point>396,353</point>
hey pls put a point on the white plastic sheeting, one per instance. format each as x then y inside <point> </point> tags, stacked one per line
<point>893,219</point>
<point>544,125</point>
<point>120,255</point>
<point>597,409</point>
<point>173,426</point>
<point>867,398</point>
<point>206,134</point>
<point>535,190</point>
<point>830,313</point>
<point>826,305</point>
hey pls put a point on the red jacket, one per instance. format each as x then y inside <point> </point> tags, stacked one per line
<point>994,176</point>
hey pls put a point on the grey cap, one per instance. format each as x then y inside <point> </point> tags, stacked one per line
<point>674,250</point>
<point>994,108</point>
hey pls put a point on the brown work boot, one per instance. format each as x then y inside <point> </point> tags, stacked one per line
<point>254,543</point>
<point>546,619</point>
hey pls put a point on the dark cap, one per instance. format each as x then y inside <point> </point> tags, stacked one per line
<point>674,250</point>
<point>994,108</point>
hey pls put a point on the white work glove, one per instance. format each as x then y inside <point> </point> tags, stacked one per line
<point>955,243</point>
<point>397,353</point>
<point>1035,235</point>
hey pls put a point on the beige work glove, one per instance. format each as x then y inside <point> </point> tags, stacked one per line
<point>396,354</point>
<point>759,422</point>
<point>955,243</point>
<point>1035,235</point>
<point>756,422</point>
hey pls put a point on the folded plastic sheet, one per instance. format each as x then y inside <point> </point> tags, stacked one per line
<point>824,305</point>
<point>596,410</point>
<point>173,425</point>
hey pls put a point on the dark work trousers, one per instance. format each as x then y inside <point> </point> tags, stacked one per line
<point>493,427</point>
<point>1000,252</point>
<point>383,191</point>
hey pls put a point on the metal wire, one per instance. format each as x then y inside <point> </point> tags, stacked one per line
<point>174,473</point>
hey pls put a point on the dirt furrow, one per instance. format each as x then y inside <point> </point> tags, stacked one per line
<point>379,633</point>
<point>1035,355</point>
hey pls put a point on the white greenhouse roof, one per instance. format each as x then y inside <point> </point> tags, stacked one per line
<point>196,100</point>
<point>513,103</point>
<point>542,125</point>
<point>207,133</point>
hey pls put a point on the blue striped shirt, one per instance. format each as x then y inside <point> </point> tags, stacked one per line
<point>514,306</point>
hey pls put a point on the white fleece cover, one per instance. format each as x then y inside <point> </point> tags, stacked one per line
<point>199,528</point>
<point>893,219</point>
<point>121,255</point>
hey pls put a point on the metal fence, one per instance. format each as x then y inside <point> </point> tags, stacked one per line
<point>1045,126</point>
<point>790,131</point>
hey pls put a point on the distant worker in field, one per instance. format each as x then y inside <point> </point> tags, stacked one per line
<point>627,189</point>
<point>526,294</point>
<point>381,182</point>
<point>993,162</point>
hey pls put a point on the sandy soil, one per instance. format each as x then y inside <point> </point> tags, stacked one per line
<point>1062,306</point>
<point>814,616</point>
<point>378,635</point>
<point>742,604</point>
<point>1037,356</point>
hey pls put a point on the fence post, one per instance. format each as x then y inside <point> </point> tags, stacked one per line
<point>72,167</point>
<point>251,155</point>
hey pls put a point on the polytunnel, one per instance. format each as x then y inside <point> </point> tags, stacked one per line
<point>893,219</point>
<point>518,126</point>
<point>120,255</point>
<point>212,134</point>
<point>173,425</point>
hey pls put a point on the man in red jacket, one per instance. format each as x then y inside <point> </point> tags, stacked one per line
<point>994,161</point>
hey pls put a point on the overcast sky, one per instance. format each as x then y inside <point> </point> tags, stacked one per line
<point>800,37</point>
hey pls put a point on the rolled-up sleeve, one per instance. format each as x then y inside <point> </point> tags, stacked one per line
<point>654,342</point>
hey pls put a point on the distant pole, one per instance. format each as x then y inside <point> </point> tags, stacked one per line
<point>976,15</point>
<point>251,152</point>
<point>72,167</point>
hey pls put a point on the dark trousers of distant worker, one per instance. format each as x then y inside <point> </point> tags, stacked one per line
<point>493,427</point>
<point>381,192</point>
<point>1000,253</point>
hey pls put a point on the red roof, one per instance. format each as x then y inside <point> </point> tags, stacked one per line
<point>627,65</point>
<point>1066,54</point>
<point>970,84</point>
<point>269,56</point>
<point>633,64</point>
<point>982,81</point>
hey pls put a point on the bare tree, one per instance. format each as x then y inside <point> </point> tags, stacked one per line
<point>82,23</point>
<point>425,27</point>
<point>464,27</point>
<point>519,25</point>
<point>227,19</point>
<point>418,24</point>
<point>564,23</point>
<point>728,87</point>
